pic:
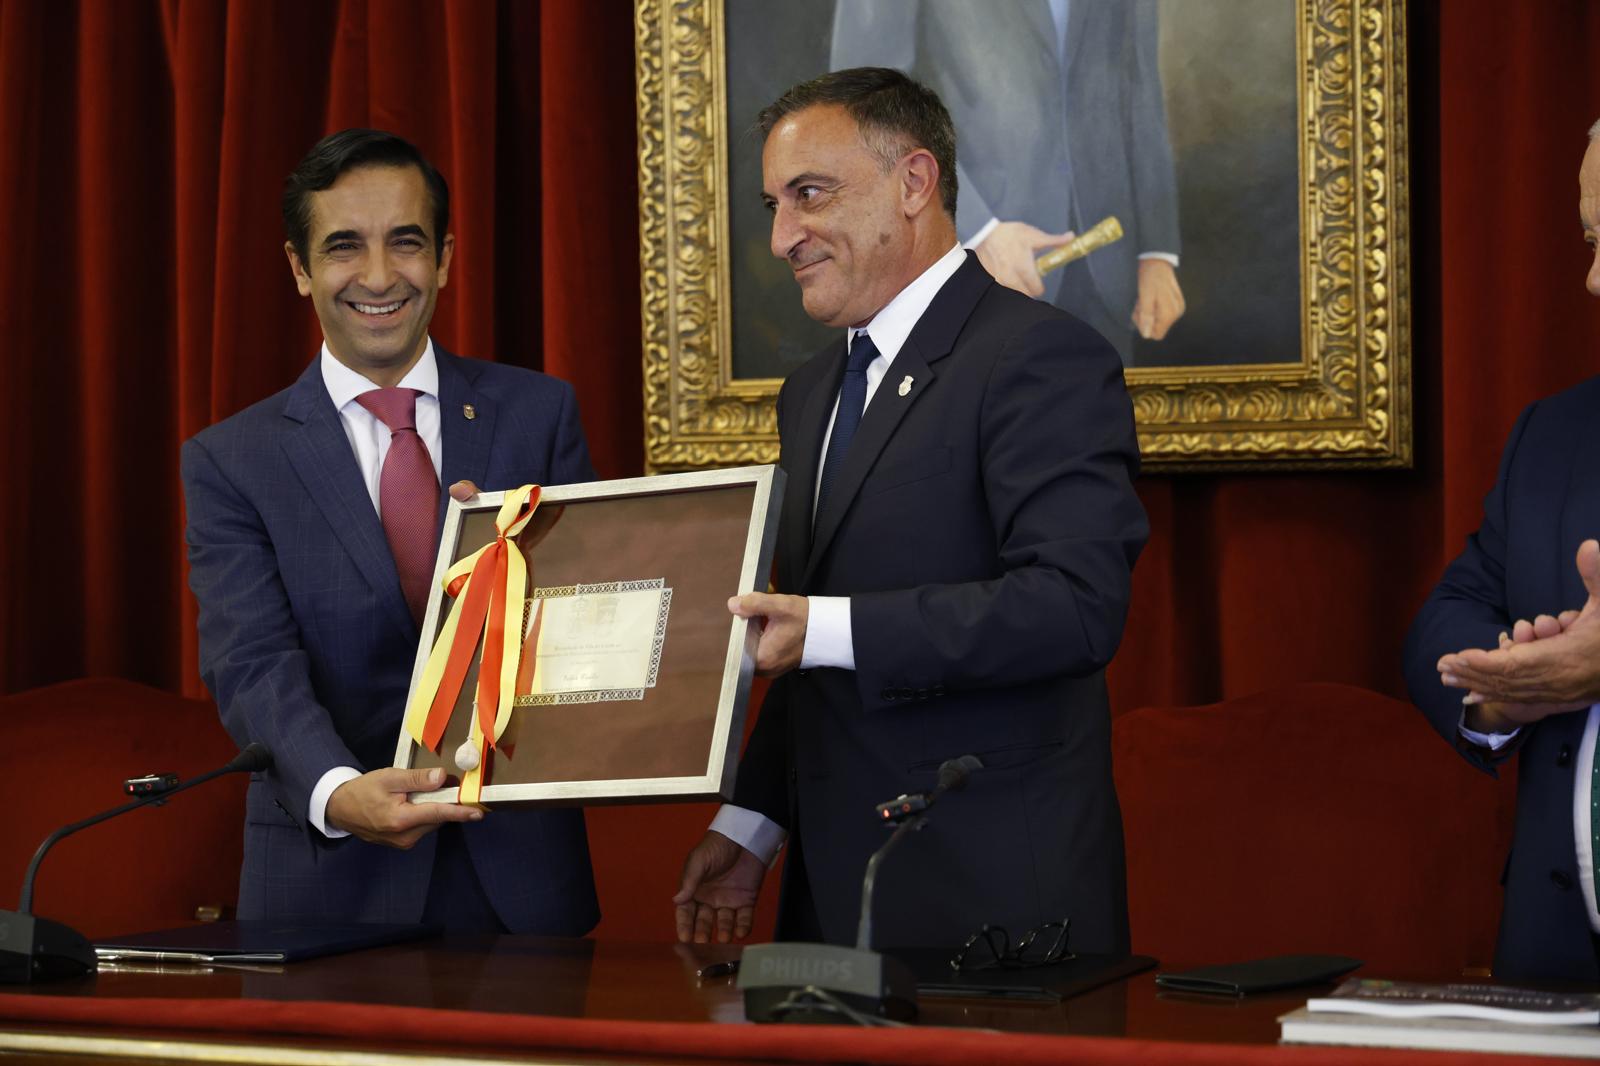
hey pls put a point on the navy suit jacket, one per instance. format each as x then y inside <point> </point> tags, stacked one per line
<point>307,645</point>
<point>985,526</point>
<point>1519,564</point>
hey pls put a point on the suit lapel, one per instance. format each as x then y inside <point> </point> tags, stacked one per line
<point>1580,514</point>
<point>1077,20</point>
<point>1043,25</point>
<point>931,340</point>
<point>804,458</point>
<point>463,440</point>
<point>320,453</point>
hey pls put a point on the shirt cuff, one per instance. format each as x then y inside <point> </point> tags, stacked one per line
<point>982,234</point>
<point>1165,257</point>
<point>319,799</point>
<point>828,635</point>
<point>1492,741</point>
<point>755,833</point>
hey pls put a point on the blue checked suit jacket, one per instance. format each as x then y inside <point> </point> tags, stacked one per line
<point>307,645</point>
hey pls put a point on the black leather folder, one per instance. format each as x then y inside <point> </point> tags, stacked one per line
<point>1259,975</point>
<point>253,942</point>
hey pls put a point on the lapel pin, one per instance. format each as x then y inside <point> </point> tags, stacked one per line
<point>470,411</point>
<point>905,386</point>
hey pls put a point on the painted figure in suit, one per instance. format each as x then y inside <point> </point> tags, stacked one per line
<point>1495,627</point>
<point>954,563</point>
<point>313,520</point>
<point>1058,107</point>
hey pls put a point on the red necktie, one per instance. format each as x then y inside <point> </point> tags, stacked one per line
<point>408,493</point>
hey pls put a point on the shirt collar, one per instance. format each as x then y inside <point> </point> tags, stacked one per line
<point>891,326</point>
<point>344,384</point>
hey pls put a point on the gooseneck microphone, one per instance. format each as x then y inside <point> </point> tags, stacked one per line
<point>35,949</point>
<point>907,814</point>
<point>799,982</point>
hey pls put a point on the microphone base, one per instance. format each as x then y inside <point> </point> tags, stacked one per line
<point>33,950</point>
<point>866,982</point>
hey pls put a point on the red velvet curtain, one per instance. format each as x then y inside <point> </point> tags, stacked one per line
<point>144,294</point>
<point>143,148</point>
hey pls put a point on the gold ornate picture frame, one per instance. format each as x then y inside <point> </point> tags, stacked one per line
<point>1342,400</point>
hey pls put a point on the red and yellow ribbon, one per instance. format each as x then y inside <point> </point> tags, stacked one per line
<point>490,587</point>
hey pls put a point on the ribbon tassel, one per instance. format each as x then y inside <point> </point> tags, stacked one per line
<point>490,586</point>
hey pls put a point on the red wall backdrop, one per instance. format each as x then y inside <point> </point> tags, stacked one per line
<point>144,294</point>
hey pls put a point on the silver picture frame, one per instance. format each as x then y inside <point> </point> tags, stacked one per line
<point>703,536</point>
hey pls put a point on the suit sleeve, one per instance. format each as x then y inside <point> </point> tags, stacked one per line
<point>1467,609</point>
<point>250,653</point>
<point>762,784</point>
<point>569,449</point>
<point>1058,456</point>
<point>1155,183</point>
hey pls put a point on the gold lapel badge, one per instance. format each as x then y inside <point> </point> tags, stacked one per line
<point>905,386</point>
<point>470,411</point>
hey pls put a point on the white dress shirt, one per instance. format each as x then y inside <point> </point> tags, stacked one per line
<point>369,439</point>
<point>828,640</point>
<point>1583,800</point>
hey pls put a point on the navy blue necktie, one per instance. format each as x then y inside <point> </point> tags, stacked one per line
<point>852,401</point>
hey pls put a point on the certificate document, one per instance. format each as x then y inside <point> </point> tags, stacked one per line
<point>593,643</point>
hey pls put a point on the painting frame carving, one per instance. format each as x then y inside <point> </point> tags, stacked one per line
<point>1346,404</point>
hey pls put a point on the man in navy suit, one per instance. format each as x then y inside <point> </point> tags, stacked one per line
<point>954,562</point>
<point>1533,685</point>
<point>313,518</point>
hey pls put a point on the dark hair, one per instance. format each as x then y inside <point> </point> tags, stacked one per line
<point>344,151</point>
<point>893,113</point>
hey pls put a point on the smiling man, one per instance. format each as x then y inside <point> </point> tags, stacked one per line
<point>954,563</point>
<point>313,523</point>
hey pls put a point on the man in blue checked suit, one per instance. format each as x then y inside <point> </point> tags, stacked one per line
<point>313,520</point>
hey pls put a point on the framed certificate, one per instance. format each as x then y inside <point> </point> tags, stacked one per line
<point>631,677</point>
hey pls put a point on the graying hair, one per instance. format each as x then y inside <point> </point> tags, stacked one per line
<point>1594,132</point>
<point>893,113</point>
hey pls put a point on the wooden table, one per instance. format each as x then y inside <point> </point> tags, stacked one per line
<point>579,979</point>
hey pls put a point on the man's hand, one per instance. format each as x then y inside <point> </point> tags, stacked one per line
<point>463,491</point>
<point>374,807</point>
<point>1009,250</point>
<point>718,894</point>
<point>783,629</point>
<point>1549,665</point>
<point>1160,301</point>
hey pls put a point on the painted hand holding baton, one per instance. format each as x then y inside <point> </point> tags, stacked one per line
<point>1107,231</point>
<point>490,587</point>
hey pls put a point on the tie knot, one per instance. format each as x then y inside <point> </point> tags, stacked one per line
<point>395,408</point>
<point>862,352</point>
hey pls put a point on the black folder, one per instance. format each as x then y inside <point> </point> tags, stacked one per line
<point>253,942</point>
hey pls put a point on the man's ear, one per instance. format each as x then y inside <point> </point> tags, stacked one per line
<point>302,276</point>
<point>447,250</point>
<point>919,184</point>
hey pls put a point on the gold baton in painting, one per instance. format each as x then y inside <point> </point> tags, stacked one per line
<point>1106,231</point>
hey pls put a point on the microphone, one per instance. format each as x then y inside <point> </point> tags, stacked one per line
<point>857,984</point>
<point>37,949</point>
<point>953,776</point>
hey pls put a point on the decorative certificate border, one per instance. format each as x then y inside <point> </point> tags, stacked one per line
<point>603,695</point>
